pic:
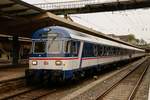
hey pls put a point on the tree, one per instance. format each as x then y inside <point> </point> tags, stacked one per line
<point>142,42</point>
<point>137,41</point>
<point>131,37</point>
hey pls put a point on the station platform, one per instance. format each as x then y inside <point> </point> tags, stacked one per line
<point>12,72</point>
<point>4,63</point>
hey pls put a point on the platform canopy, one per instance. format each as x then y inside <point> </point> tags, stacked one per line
<point>18,17</point>
<point>13,15</point>
<point>91,6</point>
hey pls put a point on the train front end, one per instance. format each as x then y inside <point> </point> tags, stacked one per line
<point>53,56</point>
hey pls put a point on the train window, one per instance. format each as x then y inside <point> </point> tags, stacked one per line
<point>106,51</point>
<point>110,51</point>
<point>95,51</point>
<point>54,46</point>
<point>74,49</point>
<point>113,51</point>
<point>66,46</point>
<point>39,47</point>
<point>116,51</point>
<point>88,50</point>
<point>100,50</point>
<point>124,51</point>
<point>71,47</point>
<point>120,51</point>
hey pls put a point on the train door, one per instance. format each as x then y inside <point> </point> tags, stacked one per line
<point>74,48</point>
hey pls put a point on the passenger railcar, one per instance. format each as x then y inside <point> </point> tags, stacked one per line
<point>59,53</point>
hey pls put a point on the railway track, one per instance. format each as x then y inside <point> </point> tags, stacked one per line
<point>11,84</point>
<point>133,78</point>
<point>40,92</point>
<point>16,89</point>
<point>30,94</point>
<point>91,90</point>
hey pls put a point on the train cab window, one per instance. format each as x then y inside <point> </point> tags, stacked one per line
<point>39,47</point>
<point>54,46</point>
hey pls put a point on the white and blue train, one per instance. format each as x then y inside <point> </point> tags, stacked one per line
<point>60,53</point>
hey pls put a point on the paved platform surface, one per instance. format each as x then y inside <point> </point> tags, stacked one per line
<point>4,62</point>
<point>11,72</point>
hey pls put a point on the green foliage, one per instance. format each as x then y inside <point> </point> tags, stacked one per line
<point>131,37</point>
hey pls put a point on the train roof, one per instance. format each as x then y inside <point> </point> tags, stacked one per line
<point>69,33</point>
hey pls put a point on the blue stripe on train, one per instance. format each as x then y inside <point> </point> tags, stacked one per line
<point>38,55</point>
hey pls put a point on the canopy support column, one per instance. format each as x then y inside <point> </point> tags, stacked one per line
<point>15,49</point>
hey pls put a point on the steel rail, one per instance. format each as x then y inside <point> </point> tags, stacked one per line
<point>30,90</point>
<point>20,93</point>
<point>13,79</point>
<point>39,97</point>
<point>117,83</point>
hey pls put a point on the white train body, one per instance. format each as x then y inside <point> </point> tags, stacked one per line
<point>78,52</point>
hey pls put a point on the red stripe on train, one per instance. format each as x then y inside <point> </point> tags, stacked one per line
<point>68,58</point>
<point>54,58</point>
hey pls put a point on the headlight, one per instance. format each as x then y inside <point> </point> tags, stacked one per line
<point>58,62</point>
<point>34,63</point>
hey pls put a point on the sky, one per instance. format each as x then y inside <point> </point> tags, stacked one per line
<point>135,22</point>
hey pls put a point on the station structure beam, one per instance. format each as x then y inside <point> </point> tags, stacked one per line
<point>92,6</point>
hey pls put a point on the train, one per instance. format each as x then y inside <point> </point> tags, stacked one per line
<point>60,53</point>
